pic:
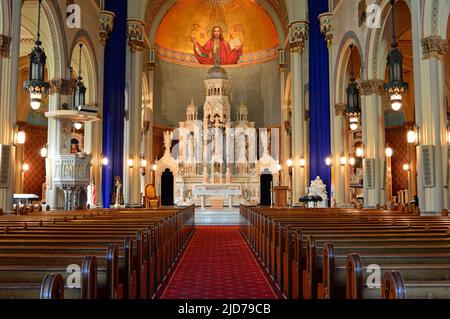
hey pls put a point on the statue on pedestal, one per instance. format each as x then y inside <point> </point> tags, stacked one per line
<point>318,188</point>
<point>117,193</point>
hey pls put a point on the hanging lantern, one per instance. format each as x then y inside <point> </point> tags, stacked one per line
<point>353,110</point>
<point>396,87</point>
<point>36,85</point>
<point>79,94</point>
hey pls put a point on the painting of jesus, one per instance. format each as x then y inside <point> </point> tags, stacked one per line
<point>229,52</point>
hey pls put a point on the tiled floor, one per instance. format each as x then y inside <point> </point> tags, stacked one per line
<point>208,216</point>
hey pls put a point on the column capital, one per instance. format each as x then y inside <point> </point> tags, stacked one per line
<point>62,86</point>
<point>135,33</point>
<point>105,25</point>
<point>5,46</point>
<point>298,35</point>
<point>340,109</point>
<point>327,27</point>
<point>372,87</point>
<point>434,47</point>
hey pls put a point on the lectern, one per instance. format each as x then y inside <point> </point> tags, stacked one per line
<point>280,194</point>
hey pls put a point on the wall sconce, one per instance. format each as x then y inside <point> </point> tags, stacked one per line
<point>343,160</point>
<point>25,167</point>
<point>354,123</point>
<point>152,58</point>
<point>130,162</point>
<point>154,167</point>
<point>413,135</point>
<point>279,167</point>
<point>104,161</point>
<point>359,152</point>
<point>406,167</point>
<point>290,163</point>
<point>302,162</point>
<point>78,125</point>
<point>389,151</point>
<point>328,161</point>
<point>143,166</point>
<point>281,59</point>
<point>44,151</point>
<point>352,161</point>
<point>21,137</point>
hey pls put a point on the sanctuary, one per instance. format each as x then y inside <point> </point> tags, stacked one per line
<point>216,158</point>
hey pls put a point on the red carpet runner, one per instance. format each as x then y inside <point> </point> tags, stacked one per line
<point>218,264</point>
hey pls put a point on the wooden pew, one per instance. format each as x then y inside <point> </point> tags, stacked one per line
<point>52,287</point>
<point>167,243</point>
<point>395,287</point>
<point>286,243</point>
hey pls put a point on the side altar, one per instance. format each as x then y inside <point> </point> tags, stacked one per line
<point>215,156</point>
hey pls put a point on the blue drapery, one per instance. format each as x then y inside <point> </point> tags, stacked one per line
<point>114,98</point>
<point>319,96</point>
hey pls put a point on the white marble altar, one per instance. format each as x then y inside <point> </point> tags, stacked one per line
<point>217,190</point>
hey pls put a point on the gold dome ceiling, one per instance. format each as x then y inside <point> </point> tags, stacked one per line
<point>242,19</point>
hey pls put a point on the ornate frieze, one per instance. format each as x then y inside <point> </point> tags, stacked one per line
<point>298,35</point>
<point>372,87</point>
<point>434,47</point>
<point>135,32</point>
<point>105,25</point>
<point>327,27</point>
<point>340,109</point>
<point>5,46</point>
<point>62,86</point>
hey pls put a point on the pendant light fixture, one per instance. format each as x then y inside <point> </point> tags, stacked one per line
<point>36,85</point>
<point>353,110</point>
<point>79,94</point>
<point>396,87</point>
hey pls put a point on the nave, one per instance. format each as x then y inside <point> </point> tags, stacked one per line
<point>275,253</point>
<point>218,264</point>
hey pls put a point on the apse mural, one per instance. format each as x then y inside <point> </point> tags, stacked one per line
<point>228,52</point>
<point>195,31</point>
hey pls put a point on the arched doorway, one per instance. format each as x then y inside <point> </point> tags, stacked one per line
<point>167,188</point>
<point>266,185</point>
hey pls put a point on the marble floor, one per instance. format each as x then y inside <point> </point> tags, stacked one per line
<point>209,216</point>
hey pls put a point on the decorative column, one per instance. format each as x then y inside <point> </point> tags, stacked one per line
<point>9,64</point>
<point>372,93</point>
<point>433,149</point>
<point>340,185</point>
<point>337,119</point>
<point>327,27</point>
<point>299,32</point>
<point>133,118</point>
<point>7,147</point>
<point>147,139</point>
<point>94,130</point>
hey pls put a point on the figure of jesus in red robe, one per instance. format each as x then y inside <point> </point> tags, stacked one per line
<point>216,45</point>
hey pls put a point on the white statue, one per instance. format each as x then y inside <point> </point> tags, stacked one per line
<point>167,141</point>
<point>264,142</point>
<point>191,158</point>
<point>318,188</point>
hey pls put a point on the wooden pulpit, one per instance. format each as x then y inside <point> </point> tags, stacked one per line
<point>280,195</point>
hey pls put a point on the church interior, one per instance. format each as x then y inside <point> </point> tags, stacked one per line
<point>224,149</point>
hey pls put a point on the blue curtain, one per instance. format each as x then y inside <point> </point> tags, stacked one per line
<point>319,95</point>
<point>114,98</point>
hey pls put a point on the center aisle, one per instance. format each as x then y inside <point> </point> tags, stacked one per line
<point>218,264</point>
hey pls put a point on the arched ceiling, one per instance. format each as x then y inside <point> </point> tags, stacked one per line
<point>279,6</point>
<point>246,20</point>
